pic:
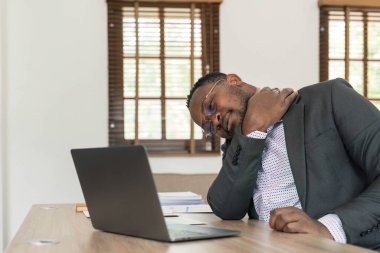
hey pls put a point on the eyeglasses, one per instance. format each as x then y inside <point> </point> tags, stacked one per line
<point>209,109</point>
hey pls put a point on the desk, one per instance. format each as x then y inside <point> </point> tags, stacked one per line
<point>76,234</point>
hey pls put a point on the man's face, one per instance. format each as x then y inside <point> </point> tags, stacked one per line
<point>222,110</point>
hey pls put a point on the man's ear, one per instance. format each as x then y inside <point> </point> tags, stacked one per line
<point>233,79</point>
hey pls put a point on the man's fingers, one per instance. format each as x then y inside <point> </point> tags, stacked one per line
<point>290,98</point>
<point>286,92</point>
<point>292,227</point>
<point>282,216</point>
<point>275,214</point>
<point>285,219</point>
<point>292,220</point>
<point>265,89</point>
<point>288,95</point>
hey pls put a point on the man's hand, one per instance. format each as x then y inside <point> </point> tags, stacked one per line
<point>294,220</point>
<point>265,108</point>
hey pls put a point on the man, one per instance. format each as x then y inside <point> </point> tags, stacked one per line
<point>306,162</point>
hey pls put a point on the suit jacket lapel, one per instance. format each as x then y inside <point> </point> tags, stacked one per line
<point>294,136</point>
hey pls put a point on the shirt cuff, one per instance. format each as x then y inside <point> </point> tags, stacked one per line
<point>257,135</point>
<point>333,223</point>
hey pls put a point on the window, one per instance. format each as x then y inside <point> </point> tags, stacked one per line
<point>157,51</point>
<point>350,47</point>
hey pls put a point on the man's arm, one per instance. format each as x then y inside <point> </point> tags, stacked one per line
<point>230,195</point>
<point>358,123</point>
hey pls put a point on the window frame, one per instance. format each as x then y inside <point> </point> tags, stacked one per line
<point>210,63</point>
<point>330,5</point>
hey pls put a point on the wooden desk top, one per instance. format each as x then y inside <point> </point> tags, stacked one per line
<point>76,234</point>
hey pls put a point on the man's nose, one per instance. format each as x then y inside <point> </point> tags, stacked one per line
<point>216,120</point>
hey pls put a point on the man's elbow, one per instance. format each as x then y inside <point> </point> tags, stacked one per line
<point>225,213</point>
<point>229,216</point>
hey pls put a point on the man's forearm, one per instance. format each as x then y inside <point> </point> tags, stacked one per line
<point>359,131</point>
<point>231,193</point>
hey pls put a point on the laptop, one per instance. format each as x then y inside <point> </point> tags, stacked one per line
<point>121,196</point>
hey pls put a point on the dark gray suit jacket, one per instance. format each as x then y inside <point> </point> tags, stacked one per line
<point>333,142</point>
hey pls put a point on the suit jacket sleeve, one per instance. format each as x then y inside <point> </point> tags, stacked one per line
<point>358,123</point>
<point>230,195</point>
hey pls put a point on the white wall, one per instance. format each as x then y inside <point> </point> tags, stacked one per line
<point>57,97</point>
<point>271,43</point>
<point>2,117</point>
<point>57,84</point>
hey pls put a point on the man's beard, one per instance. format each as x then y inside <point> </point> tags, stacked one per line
<point>244,97</point>
<point>243,106</point>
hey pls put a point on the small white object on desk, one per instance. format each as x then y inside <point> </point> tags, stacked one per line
<point>86,213</point>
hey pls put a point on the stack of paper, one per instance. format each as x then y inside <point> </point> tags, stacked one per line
<point>179,198</point>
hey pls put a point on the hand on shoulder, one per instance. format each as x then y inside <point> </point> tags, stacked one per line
<point>266,107</point>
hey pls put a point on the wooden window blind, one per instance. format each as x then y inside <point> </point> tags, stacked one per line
<point>350,47</point>
<point>157,51</point>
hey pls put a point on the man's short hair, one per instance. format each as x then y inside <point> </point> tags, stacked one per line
<point>209,78</point>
